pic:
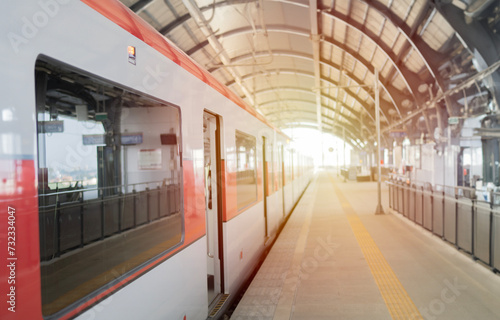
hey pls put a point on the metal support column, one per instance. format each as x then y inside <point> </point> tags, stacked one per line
<point>343,134</point>
<point>315,39</point>
<point>379,209</point>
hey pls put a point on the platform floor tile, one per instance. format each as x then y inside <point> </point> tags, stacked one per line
<point>318,269</point>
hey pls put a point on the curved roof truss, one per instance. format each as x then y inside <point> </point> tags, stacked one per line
<point>291,60</point>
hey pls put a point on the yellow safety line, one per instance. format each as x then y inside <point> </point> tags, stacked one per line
<point>395,296</point>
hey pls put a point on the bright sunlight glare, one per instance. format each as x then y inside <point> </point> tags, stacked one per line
<point>309,141</point>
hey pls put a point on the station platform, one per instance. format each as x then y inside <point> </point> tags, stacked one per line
<point>336,259</point>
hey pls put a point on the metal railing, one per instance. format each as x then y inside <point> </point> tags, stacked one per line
<point>68,222</point>
<point>458,215</point>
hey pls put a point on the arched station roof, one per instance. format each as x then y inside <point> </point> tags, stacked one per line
<point>312,63</point>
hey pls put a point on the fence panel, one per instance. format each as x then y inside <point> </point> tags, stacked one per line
<point>406,200</point>
<point>164,208</point>
<point>427,207</point>
<point>464,224</point>
<point>141,208</point>
<point>389,184</point>
<point>128,211</point>
<point>495,241</point>
<point>419,205</point>
<point>153,204</point>
<point>70,226</point>
<point>92,217</point>
<point>48,226</point>
<point>400,199</point>
<point>455,214</point>
<point>450,218</point>
<point>482,224</point>
<point>395,196</point>
<point>172,202</point>
<point>111,215</point>
<point>438,212</point>
<point>413,194</point>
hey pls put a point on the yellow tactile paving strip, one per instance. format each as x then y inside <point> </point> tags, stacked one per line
<point>396,298</point>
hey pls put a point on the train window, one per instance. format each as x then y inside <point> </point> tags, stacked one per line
<point>109,183</point>
<point>246,173</point>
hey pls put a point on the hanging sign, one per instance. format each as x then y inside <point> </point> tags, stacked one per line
<point>149,159</point>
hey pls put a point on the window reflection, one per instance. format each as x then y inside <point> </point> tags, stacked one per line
<point>109,182</point>
<point>246,173</point>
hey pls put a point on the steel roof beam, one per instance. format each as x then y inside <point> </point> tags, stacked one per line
<point>355,114</point>
<point>297,89</point>
<point>392,92</point>
<point>140,5</point>
<point>383,104</point>
<point>476,37</point>
<point>405,50</point>
<point>203,24</point>
<point>186,27</point>
<point>409,77</point>
<point>334,130</point>
<point>351,120</point>
<point>431,57</point>
<point>297,73</point>
<point>427,54</point>
<point>421,47</point>
<point>184,18</point>
<point>389,89</point>
<point>315,37</point>
<point>433,103</point>
<point>342,59</point>
<point>311,119</point>
<point>352,128</point>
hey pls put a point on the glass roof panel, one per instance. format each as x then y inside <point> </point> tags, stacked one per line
<point>353,38</point>
<point>389,33</point>
<point>400,8</point>
<point>358,11</point>
<point>342,7</point>
<point>399,45</point>
<point>438,32</point>
<point>413,61</point>
<point>418,6</point>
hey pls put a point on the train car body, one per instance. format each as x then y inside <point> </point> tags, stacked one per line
<point>132,184</point>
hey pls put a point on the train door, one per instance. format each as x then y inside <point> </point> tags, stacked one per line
<point>266,176</point>
<point>211,139</point>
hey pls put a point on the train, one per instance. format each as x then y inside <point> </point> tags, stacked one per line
<point>133,184</point>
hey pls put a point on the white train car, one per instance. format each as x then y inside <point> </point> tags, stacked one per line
<point>133,185</point>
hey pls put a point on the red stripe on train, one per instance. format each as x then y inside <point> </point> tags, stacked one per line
<point>19,252</point>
